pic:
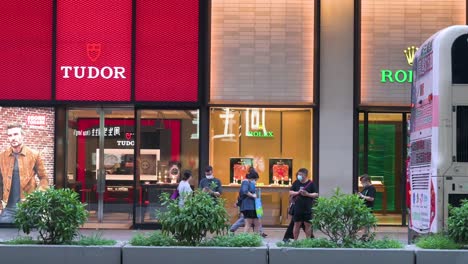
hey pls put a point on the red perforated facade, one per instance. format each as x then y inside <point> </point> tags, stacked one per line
<point>94,50</point>
<point>166,66</point>
<point>26,50</point>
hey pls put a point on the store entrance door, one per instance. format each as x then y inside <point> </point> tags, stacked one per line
<point>101,163</point>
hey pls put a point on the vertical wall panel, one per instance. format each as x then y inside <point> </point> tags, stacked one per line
<point>26,50</point>
<point>95,37</point>
<point>166,67</point>
<point>262,51</point>
<point>388,27</point>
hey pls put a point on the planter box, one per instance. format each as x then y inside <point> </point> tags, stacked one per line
<point>59,254</point>
<point>340,255</point>
<point>184,255</point>
<point>438,256</point>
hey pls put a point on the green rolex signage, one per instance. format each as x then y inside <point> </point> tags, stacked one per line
<point>400,76</point>
<point>260,134</point>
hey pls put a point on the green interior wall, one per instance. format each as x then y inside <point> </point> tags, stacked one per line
<point>381,159</point>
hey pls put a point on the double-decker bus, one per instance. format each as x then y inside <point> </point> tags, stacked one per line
<point>438,152</point>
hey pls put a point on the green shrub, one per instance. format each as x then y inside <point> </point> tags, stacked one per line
<point>341,216</point>
<point>457,223</point>
<point>238,240</point>
<point>200,215</point>
<point>325,243</point>
<point>309,243</point>
<point>21,240</point>
<point>380,244</point>
<point>56,214</point>
<point>156,238</point>
<point>95,239</point>
<point>436,241</point>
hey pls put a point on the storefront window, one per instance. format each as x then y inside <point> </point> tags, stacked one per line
<point>276,142</point>
<point>169,145</point>
<point>383,156</point>
<point>119,189</point>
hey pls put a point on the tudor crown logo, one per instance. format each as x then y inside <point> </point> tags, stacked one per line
<point>93,50</point>
<point>409,54</point>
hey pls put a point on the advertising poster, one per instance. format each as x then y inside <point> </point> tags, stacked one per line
<point>29,132</point>
<point>239,168</point>
<point>280,171</point>
<point>421,140</point>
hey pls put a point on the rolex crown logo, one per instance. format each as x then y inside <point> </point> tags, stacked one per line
<point>409,53</point>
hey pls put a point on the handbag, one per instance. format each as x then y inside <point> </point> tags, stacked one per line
<point>175,194</point>
<point>291,208</point>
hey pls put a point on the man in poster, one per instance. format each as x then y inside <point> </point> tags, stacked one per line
<point>19,165</point>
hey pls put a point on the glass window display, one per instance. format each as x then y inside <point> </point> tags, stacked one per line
<point>274,141</point>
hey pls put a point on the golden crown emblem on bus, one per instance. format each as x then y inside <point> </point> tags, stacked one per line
<point>409,54</point>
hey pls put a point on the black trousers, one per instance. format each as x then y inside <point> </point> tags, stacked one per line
<point>289,232</point>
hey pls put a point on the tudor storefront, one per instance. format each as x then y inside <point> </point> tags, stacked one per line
<point>108,93</point>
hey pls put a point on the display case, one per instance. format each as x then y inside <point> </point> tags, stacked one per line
<point>119,164</point>
<point>280,171</point>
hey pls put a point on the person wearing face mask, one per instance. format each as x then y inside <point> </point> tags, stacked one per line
<point>210,184</point>
<point>303,193</point>
<point>241,221</point>
<point>288,235</point>
<point>184,187</point>
<point>248,195</point>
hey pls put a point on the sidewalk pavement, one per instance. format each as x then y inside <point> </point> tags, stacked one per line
<point>274,234</point>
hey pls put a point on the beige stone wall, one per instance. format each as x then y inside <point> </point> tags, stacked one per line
<point>262,51</point>
<point>390,26</point>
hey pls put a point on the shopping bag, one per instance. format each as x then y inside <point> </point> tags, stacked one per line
<point>259,207</point>
<point>175,194</point>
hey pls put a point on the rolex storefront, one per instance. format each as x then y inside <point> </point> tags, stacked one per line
<point>389,36</point>
<point>276,142</point>
<point>262,98</point>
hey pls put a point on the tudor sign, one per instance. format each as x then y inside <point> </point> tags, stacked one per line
<point>92,72</point>
<point>94,50</point>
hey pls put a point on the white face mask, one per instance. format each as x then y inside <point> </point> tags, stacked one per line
<point>299,177</point>
<point>209,177</point>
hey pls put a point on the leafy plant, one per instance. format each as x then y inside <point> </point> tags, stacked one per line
<point>201,214</point>
<point>380,243</point>
<point>325,243</point>
<point>457,223</point>
<point>56,214</point>
<point>342,216</point>
<point>152,239</point>
<point>95,239</point>
<point>238,240</point>
<point>436,241</point>
<point>21,240</point>
<point>309,243</point>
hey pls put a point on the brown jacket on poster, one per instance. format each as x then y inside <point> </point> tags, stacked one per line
<point>29,164</point>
